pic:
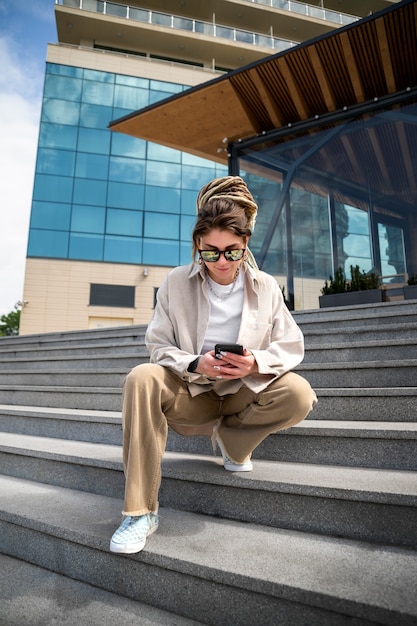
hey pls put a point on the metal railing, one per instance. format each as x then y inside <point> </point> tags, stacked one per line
<point>301,8</point>
<point>175,22</point>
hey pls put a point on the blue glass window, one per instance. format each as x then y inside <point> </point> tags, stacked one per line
<point>125,196</point>
<point>162,153</point>
<point>115,190</point>
<point>97,93</point>
<point>157,252</point>
<point>191,159</point>
<point>103,77</point>
<point>123,249</point>
<point>130,98</point>
<point>127,170</point>
<point>187,225</point>
<point>162,199</point>
<point>126,146</point>
<point>168,88</point>
<point>95,116</point>
<point>162,225</point>
<point>162,174</point>
<point>64,70</point>
<point>92,166</point>
<point>60,111</point>
<point>88,247</point>
<point>62,87</point>
<point>48,243</point>
<point>59,162</point>
<point>356,243</point>
<point>188,202</point>
<point>93,140</point>
<point>88,219</point>
<point>196,177</point>
<point>57,136</point>
<point>87,191</point>
<point>156,96</point>
<point>185,253</point>
<point>50,215</point>
<point>133,81</point>
<point>52,188</point>
<point>121,222</point>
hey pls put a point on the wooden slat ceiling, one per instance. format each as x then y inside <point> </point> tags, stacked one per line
<point>356,64</point>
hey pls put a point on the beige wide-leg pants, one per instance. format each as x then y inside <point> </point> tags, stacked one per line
<point>155,398</point>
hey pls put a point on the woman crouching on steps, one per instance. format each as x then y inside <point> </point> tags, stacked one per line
<point>237,399</point>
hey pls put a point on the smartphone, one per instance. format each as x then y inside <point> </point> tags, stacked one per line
<point>236,348</point>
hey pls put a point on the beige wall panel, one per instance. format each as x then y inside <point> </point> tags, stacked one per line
<point>58,292</point>
<point>131,66</point>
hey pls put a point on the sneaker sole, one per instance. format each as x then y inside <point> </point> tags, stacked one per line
<point>233,467</point>
<point>245,467</point>
<point>132,548</point>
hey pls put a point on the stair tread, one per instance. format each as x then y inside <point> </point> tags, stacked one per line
<point>51,598</point>
<point>294,565</point>
<point>75,414</point>
<point>378,485</point>
<point>309,426</point>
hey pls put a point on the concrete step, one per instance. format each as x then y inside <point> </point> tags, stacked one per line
<point>46,598</point>
<point>384,373</point>
<point>128,356</point>
<point>385,404</point>
<point>343,403</point>
<point>92,362</point>
<point>79,377</point>
<point>363,332</point>
<point>384,445</point>
<point>77,337</point>
<point>381,373</point>
<point>362,315</point>
<point>96,399</point>
<point>21,353</point>
<point>359,350</point>
<point>73,424</point>
<point>376,336</point>
<point>305,497</point>
<point>196,565</point>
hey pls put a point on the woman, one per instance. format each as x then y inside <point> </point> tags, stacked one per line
<point>238,399</point>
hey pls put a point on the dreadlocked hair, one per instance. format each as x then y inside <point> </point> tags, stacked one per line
<point>226,204</point>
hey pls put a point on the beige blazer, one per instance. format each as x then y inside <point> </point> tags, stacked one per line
<point>176,332</point>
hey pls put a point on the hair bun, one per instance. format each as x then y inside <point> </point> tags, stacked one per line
<point>234,189</point>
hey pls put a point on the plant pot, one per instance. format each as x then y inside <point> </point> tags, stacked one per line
<point>410,292</point>
<point>352,298</point>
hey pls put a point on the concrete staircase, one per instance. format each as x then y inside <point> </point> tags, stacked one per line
<point>322,532</point>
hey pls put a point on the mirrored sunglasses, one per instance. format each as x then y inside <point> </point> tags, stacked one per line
<point>211,256</point>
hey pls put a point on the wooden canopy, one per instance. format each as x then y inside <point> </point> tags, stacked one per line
<point>354,65</point>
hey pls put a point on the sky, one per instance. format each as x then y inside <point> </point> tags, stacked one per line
<point>26,27</point>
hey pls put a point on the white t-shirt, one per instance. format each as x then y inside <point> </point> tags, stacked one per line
<point>225,315</point>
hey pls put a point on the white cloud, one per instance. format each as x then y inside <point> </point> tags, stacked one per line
<point>20,101</point>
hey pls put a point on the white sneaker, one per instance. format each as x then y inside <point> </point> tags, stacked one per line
<point>131,535</point>
<point>228,464</point>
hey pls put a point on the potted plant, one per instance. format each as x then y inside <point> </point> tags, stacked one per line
<point>362,288</point>
<point>410,290</point>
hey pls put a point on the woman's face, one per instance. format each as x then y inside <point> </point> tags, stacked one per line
<point>222,271</point>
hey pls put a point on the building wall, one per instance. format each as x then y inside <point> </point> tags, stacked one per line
<point>57,295</point>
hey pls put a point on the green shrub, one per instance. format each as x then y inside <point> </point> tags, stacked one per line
<point>360,281</point>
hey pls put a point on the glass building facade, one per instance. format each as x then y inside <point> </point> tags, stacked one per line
<point>336,197</point>
<point>104,196</point>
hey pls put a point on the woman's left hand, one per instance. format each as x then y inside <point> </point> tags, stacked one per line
<point>232,366</point>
